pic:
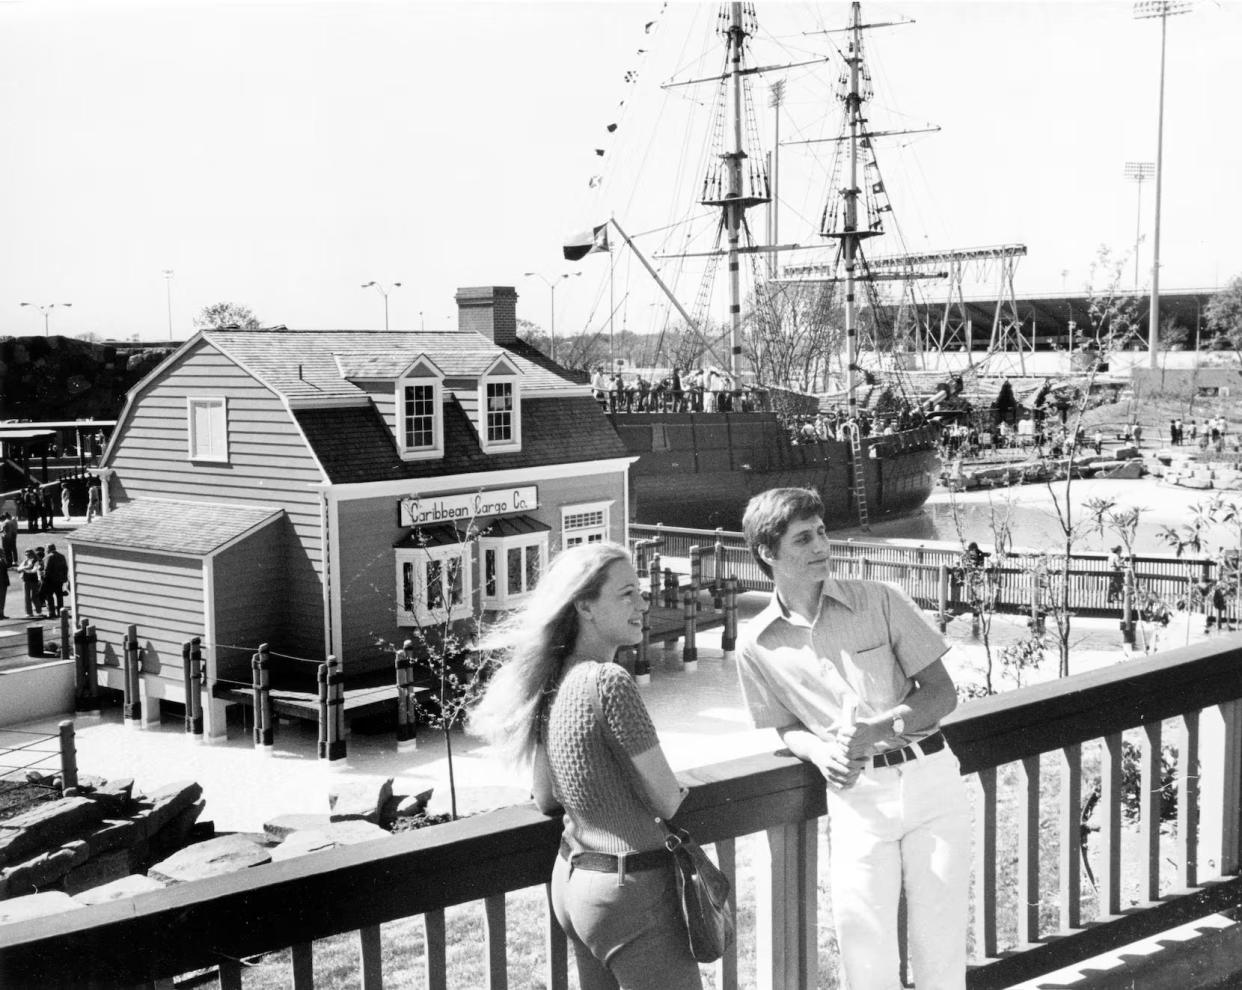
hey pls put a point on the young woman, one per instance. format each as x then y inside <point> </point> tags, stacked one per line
<point>613,889</point>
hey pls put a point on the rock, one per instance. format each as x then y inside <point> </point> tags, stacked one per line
<point>46,826</point>
<point>36,906</point>
<point>351,832</point>
<point>359,800</point>
<point>213,858</point>
<point>42,870</point>
<point>301,843</point>
<point>113,834</point>
<point>118,889</point>
<point>97,871</point>
<point>169,801</point>
<point>414,804</point>
<point>115,796</point>
<point>279,829</point>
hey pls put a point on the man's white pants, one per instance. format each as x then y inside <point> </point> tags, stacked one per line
<point>907,824</point>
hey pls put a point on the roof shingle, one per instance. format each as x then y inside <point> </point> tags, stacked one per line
<point>190,528</point>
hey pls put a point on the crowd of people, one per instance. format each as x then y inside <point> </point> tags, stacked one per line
<point>836,423</point>
<point>696,390</point>
<point>848,674</point>
<point>43,571</point>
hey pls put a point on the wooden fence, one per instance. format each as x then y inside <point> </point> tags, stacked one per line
<point>1026,749</point>
<point>1023,579</point>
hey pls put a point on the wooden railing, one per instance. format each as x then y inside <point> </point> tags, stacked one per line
<point>917,570</point>
<point>1002,743</point>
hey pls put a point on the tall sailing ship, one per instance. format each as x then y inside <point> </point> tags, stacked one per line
<point>699,469</point>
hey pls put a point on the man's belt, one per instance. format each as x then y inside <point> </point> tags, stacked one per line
<point>924,747</point>
<point>598,862</point>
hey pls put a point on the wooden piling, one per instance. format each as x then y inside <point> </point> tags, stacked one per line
<point>718,582</point>
<point>671,595</point>
<point>696,574</point>
<point>266,736</point>
<point>322,678</point>
<point>656,591</point>
<point>642,663</point>
<point>689,652</point>
<point>336,710</point>
<point>407,713</point>
<point>194,702</point>
<point>68,760</point>
<point>66,642</point>
<point>86,677</point>
<point>131,709</point>
<point>942,616</point>
<point>728,638</point>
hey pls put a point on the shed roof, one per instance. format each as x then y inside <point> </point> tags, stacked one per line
<point>190,528</point>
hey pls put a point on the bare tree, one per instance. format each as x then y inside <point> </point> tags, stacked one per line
<point>226,315</point>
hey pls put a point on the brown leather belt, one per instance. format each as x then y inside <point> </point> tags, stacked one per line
<point>923,747</point>
<point>598,862</point>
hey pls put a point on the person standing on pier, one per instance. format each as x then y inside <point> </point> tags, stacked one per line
<point>852,678</point>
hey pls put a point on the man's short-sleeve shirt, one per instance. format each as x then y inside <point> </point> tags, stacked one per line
<point>866,644</point>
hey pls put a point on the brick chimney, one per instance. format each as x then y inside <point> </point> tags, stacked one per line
<point>490,310</point>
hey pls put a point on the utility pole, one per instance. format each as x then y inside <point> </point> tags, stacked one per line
<point>168,277</point>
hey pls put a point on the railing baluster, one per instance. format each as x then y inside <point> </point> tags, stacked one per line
<point>1220,807</point>
<point>726,859</point>
<point>1071,831</point>
<point>370,968</point>
<point>494,931</point>
<point>1149,812</point>
<point>1028,850</point>
<point>435,944</point>
<point>303,965</point>
<point>1188,799</point>
<point>557,976</point>
<point>1109,872</point>
<point>985,864</point>
<point>786,931</point>
<point>230,975</point>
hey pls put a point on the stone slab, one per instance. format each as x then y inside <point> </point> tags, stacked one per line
<point>213,858</point>
<point>359,800</point>
<point>301,843</point>
<point>279,829</point>
<point>46,826</point>
<point>36,906</point>
<point>118,889</point>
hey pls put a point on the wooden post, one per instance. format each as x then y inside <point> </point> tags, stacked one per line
<point>131,710</point>
<point>185,683</point>
<point>86,677</point>
<point>68,760</point>
<point>194,703</point>
<point>655,578</point>
<point>642,663</point>
<point>267,738</point>
<point>728,638</point>
<point>671,595</point>
<point>718,570</point>
<point>66,643</point>
<point>1127,606</point>
<point>256,686</point>
<point>696,573</point>
<point>640,555</point>
<point>864,568</point>
<point>322,677</point>
<point>407,715</point>
<point>943,616</point>
<point>336,710</point>
<point>689,652</point>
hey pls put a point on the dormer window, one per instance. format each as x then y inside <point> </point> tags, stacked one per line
<point>420,411</point>
<point>500,419</point>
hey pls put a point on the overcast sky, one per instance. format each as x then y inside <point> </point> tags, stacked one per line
<point>279,154</point>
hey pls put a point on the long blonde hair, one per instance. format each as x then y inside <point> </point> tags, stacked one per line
<point>536,640</point>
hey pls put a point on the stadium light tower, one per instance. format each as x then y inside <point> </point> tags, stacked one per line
<point>1139,172</point>
<point>1146,10</point>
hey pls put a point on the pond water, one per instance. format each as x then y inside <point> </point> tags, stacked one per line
<point>1033,518</point>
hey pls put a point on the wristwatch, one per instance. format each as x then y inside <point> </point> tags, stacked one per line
<point>899,725</point>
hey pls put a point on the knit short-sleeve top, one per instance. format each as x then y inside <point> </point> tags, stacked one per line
<point>595,779</point>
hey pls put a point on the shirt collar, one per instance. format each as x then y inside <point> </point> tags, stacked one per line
<point>775,609</point>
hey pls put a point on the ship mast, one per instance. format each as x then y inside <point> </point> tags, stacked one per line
<point>850,232</point>
<point>734,208</point>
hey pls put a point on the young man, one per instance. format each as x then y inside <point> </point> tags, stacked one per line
<point>850,674</point>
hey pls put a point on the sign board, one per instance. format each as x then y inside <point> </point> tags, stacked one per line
<point>431,509</point>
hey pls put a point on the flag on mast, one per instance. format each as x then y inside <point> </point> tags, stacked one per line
<point>586,242</point>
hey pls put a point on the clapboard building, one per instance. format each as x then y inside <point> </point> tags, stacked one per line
<point>310,489</point>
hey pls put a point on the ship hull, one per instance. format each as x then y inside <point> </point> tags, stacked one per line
<point>699,470</point>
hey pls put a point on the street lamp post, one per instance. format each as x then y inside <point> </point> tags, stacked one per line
<point>1138,172</point>
<point>551,283</point>
<point>383,292</point>
<point>1145,10</point>
<point>168,277</point>
<point>45,309</point>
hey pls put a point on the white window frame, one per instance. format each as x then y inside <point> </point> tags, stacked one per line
<point>514,442</point>
<point>604,529</point>
<point>436,449</point>
<point>418,558</point>
<point>219,405</point>
<point>502,598</point>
